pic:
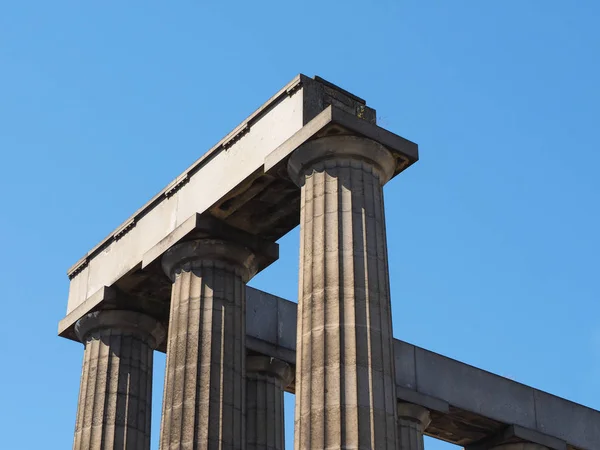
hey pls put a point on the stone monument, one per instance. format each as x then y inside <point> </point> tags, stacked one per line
<point>172,278</point>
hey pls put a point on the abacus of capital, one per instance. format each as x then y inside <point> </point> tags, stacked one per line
<point>172,278</point>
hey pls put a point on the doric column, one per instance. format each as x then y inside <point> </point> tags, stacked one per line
<point>266,378</point>
<point>204,397</point>
<point>116,382</point>
<point>345,389</point>
<point>412,422</point>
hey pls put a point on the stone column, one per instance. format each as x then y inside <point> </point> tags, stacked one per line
<point>345,384</point>
<point>204,396</point>
<point>412,422</point>
<point>266,378</point>
<point>115,397</point>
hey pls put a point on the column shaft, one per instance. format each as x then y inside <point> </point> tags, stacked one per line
<point>115,396</point>
<point>204,397</point>
<point>266,378</point>
<point>345,389</point>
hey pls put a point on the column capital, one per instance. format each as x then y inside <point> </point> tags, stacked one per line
<point>414,413</point>
<point>190,255</point>
<point>127,321</point>
<point>327,149</point>
<point>271,366</point>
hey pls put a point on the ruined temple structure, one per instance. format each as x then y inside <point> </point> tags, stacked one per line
<point>172,278</point>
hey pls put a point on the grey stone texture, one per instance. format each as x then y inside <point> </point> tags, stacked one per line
<point>204,396</point>
<point>345,389</point>
<point>273,325</point>
<point>519,446</point>
<point>468,404</point>
<point>304,136</point>
<point>412,422</point>
<point>266,379</point>
<point>513,434</point>
<point>230,182</point>
<point>115,397</point>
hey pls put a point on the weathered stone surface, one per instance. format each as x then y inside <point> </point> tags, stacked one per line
<point>345,390</point>
<point>204,396</point>
<point>412,422</point>
<point>266,379</point>
<point>228,182</point>
<point>519,446</point>
<point>514,434</point>
<point>116,382</point>
<point>255,196</point>
<point>467,404</point>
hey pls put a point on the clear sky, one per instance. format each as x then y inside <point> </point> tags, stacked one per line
<point>493,235</point>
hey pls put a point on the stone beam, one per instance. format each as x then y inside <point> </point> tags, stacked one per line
<point>469,406</point>
<point>242,182</point>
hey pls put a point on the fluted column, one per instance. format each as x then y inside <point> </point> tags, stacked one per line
<point>204,397</point>
<point>266,378</point>
<point>412,422</point>
<point>115,397</point>
<point>345,389</point>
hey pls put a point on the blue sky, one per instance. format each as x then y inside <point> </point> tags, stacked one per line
<point>493,235</point>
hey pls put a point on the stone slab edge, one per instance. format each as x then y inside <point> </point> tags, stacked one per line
<point>405,151</point>
<point>103,296</point>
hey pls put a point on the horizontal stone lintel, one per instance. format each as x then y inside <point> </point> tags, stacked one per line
<point>469,405</point>
<point>242,181</point>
